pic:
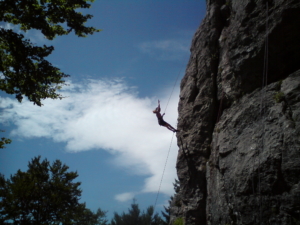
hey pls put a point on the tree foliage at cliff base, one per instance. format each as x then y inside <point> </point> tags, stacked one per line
<point>45,194</point>
<point>136,217</point>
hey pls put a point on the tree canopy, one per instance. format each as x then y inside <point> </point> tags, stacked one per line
<point>91,218</point>
<point>166,214</point>
<point>45,194</point>
<point>48,194</point>
<point>23,67</point>
<point>136,217</point>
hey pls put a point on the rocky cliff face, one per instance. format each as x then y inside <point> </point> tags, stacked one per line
<point>239,116</point>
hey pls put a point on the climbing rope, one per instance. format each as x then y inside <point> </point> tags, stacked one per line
<point>170,143</point>
<point>162,176</point>
<point>173,89</point>
<point>263,105</point>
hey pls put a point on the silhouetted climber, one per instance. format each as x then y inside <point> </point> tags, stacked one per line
<point>160,119</point>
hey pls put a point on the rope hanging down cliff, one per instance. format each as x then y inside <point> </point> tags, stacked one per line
<point>171,139</point>
<point>263,105</point>
<point>262,111</point>
<point>173,89</point>
<point>163,173</point>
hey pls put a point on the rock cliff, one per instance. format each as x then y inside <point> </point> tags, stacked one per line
<point>239,116</point>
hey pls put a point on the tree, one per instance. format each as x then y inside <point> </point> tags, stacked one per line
<point>44,194</point>
<point>23,67</point>
<point>134,216</point>
<point>24,71</point>
<point>167,212</point>
<point>90,218</point>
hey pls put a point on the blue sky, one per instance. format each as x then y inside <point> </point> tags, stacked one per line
<point>104,128</point>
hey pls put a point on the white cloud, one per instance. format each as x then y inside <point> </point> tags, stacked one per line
<point>105,115</point>
<point>35,36</point>
<point>166,49</point>
<point>124,197</point>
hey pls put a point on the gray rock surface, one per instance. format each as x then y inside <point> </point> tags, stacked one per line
<point>253,175</point>
<point>239,155</point>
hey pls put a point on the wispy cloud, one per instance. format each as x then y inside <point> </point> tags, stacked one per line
<point>35,36</point>
<point>124,197</point>
<point>105,115</point>
<point>172,49</point>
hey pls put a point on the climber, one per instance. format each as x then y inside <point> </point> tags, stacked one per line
<point>160,119</point>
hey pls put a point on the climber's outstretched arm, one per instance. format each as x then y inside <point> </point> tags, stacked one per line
<point>158,107</point>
